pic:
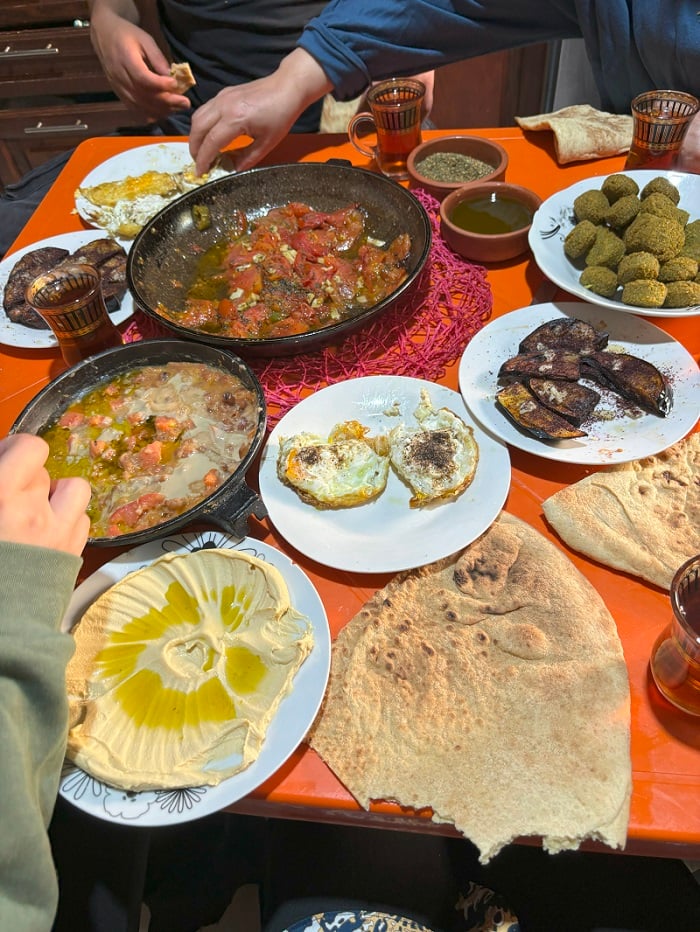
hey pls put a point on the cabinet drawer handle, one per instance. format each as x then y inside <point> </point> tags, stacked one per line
<point>76,127</point>
<point>9,52</point>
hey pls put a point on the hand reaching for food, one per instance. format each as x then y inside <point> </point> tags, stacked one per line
<point>33,508</point>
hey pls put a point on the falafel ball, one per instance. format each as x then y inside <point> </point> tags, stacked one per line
<point>661,185</point>
<point>607,250</point>
<point>644,293</point>
<point>663,206</point>
<point>591,205</point>
<point>682,294</point>
<point>691,246</point>
<point>623,211</point>
<point>678,269</point>
<point>661,237</point>
<point>600,280</point>
<point>579,239</point>
<point>616,186</point>
<point>637,265</point>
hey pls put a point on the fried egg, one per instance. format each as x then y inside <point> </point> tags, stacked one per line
<point>437,459</point>
<point>123,207</point>
<point>344,469</point>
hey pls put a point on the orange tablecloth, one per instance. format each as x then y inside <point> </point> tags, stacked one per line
<point>665,812</point>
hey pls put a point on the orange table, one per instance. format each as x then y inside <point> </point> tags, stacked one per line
<point>665,812</point>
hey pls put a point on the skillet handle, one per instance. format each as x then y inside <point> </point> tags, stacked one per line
<point>232,512</point>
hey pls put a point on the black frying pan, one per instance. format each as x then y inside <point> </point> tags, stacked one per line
<point>164,255</point>
<point>229,506</point>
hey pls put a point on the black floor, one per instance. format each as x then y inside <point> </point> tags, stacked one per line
<point>188,874</point>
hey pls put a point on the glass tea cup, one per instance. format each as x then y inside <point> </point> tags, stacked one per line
<point>395,115</point>
<point>675,657</point>
<point>660,122</point>
<point>69,298</point>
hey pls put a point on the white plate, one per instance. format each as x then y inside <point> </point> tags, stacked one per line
<point>385,535</point>
<point>555,219</point>
<point>159,157</point>
<point>614,441</point>
<point>12,334</point>
<point>287,729</point>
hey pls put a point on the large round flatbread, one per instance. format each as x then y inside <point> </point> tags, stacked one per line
<point>641,517</point>
<point>582,132</point>
<point>490,687</point>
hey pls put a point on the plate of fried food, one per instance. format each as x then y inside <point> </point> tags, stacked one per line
<point>628,241</point>
<point>200,663</point>
<point>20,325</point>
<point>578,383</point>
<point>125,191</point>
<point>381,474</point>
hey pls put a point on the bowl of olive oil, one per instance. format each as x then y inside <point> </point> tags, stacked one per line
<point>488,222</point>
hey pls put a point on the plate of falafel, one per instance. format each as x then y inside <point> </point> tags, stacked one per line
<point>628,241</point>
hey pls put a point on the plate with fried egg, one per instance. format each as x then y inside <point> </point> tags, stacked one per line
<point>382,474</point>
<point>124,192</point>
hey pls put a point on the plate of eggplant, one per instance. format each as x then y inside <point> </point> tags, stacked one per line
<point>579,383</point>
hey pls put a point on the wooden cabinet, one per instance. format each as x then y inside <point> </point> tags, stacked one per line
<point>491,90</point>
<point>53,92</point>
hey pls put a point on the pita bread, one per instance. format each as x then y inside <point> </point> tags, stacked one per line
<point>491,688</point>
<point>641,517</point>
<point>184,78</point>
<point>582,132</point>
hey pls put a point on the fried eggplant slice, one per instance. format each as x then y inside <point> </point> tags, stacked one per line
<point>571,400</point>
<point>30,266</point>
<point>565,333</point>
<point>632,378</point>
<point>551,364</point>
<point>527,413</point>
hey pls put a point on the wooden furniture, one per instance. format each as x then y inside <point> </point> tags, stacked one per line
<point>53,92</point>
<point>491,90</point>
<point>665,748</point>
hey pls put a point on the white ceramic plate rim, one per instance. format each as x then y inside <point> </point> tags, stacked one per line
<point>287,729</point>
<point>618,441</point>
<point>12,334</point>
<point>556,214</point>
<point>385,535</point>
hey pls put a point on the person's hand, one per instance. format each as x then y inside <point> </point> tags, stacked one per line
<point>135,66</point>
<point>264,110</point>
<point>34,509</point>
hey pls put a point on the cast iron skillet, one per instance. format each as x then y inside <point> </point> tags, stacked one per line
<point>230,506</point>
<point>165,253</point>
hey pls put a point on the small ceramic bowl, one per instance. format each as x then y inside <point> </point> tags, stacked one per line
<point>497,222</point>
<point>474,146</point>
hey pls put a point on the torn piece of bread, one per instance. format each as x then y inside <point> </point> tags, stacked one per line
<point>182,73</point>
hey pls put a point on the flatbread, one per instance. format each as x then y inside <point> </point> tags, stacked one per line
<point>184,78</point>
<point>582,132</point>
<point>641,517</point>
<point>491,688</point>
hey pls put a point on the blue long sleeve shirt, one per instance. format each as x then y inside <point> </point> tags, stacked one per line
<point>633,45</point>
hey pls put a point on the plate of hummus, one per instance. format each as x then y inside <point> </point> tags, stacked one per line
<point>174,717</point>
<point>124,192</point>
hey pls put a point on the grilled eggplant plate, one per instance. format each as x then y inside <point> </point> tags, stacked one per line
<point>541,389</point>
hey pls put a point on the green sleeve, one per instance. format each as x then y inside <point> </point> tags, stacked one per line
<point>35,587</point>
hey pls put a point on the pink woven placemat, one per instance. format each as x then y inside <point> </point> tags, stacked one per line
<point>419,337</point>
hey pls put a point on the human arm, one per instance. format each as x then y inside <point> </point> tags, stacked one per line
<point>35,585</point>
<point>126,39</point>
<point>264,110</point>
